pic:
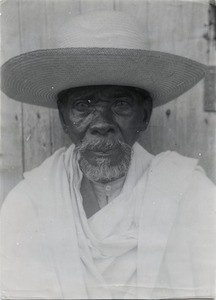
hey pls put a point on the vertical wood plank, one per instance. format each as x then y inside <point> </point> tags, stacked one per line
<point>11,113</point>
<point>58,12</point>
<point>36,120</point>
<point>138,9</point>
<point>198,130</point>
<point>210,117</point>
<point>178,27</point>
<point>211,33</point>
<point>95,5</point>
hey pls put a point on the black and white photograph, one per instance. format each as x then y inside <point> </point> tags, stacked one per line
<point>108,149</point>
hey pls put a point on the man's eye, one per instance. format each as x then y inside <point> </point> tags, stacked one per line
<point>81,105</point>
<point>122,107</point>
<point>122,104</point>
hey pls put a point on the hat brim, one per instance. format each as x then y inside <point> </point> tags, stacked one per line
<point>37,77</point>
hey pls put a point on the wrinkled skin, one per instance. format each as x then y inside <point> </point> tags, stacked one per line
<point>103,121</point>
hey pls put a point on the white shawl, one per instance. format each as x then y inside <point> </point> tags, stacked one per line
<point>165,212</point>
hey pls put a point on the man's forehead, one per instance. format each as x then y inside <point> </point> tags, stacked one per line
<point>101,89</point>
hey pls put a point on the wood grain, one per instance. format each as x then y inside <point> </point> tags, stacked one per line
<point>36,120</point>
<point>11,155</point>
<point>87,6</point>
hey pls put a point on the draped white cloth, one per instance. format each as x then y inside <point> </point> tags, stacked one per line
<point>155,240</point>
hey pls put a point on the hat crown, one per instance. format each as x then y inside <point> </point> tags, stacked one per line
<point>102,29</point>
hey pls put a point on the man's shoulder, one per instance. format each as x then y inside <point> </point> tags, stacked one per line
<point>176,158</point>
<point>185,174</point>
<point>174,161</point>
<point>172,168</point>
<point>166,157</point>
<point>37,178</point>
<point>49,163</point>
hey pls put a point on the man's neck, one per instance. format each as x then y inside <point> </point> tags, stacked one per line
<point>97,195</point>
<point>106,192</point>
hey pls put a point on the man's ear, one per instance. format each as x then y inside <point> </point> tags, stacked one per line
<point>147,112</point>
<point>62,118</point>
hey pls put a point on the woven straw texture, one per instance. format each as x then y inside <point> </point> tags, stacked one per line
<point>36,77</point>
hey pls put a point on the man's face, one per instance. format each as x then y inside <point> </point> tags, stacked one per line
<point>104,122</point>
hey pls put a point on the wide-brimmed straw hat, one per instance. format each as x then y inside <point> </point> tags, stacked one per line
<point>100,48</point>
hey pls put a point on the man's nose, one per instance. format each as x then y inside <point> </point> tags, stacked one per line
<point>102,124</point>
<point>102,129</point>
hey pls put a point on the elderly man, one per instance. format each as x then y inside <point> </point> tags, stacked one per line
<point>105,218</point>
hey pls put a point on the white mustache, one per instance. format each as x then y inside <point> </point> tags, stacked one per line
<point>101,144</point>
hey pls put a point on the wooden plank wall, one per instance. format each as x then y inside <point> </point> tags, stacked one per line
<point>29,134</point>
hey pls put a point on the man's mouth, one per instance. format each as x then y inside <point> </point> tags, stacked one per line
<point>103,152</point>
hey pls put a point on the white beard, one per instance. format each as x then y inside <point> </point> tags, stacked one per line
<point>104,170</point>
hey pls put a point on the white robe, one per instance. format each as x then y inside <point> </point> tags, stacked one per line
<point>155,240</point>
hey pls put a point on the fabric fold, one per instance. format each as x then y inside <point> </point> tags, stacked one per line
<point>155,240</point>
